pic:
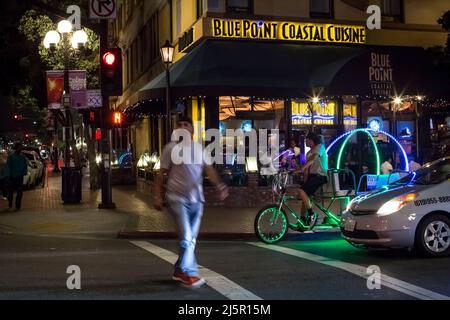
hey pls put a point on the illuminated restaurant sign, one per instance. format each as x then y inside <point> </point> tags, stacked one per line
<point>290,31</point>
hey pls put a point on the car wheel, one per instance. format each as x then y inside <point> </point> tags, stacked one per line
<point>433,236</point>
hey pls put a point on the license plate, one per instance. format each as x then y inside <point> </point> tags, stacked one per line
<point>350,225</point>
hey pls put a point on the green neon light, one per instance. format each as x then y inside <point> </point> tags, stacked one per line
<point>341,150</point>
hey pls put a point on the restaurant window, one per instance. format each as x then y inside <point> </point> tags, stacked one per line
<point>119,19</point>
<point>246,113</point>
<point>127,67</point>
<point>324,113</point>
<point>350,117</point>
<point>128,8</point>
<point>140,53</point>
<point>200,8</point>
<point>321,8</point>
<point>179,16</point>
<point>392,8</point>
<point>239,6</point>
<point>134,61</point>
<point>153,39</point>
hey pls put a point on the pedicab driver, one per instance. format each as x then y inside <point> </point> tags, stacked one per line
<point>315,175</point>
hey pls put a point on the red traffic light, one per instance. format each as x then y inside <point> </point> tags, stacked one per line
<point>98,135</point>
<point>111,72</point>
<point>109,58</point>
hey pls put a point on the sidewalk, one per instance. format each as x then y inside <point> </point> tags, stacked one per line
<point>43,213</point>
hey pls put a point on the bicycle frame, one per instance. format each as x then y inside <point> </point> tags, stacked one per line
<point>283,202</point>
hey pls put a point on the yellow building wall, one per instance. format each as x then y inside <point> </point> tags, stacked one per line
<point>164,24</point>
<point>142,137</point>
<point>425,11</point>
<point>406,38</point>
<point>188,14</point>
<point>343,11</point>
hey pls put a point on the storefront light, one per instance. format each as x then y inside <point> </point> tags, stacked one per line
<point>251,164</point>
<point>157,166</point>
<point>397,100</point>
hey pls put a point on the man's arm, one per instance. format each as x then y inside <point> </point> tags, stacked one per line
<point>212,174</point>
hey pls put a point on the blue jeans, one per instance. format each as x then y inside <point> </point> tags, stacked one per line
<point>188,216</point>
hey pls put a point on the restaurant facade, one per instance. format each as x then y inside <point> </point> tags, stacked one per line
<point>243,69</point>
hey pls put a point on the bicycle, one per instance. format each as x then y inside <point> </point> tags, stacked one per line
<point>277,219</point>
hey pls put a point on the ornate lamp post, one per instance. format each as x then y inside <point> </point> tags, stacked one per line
<point>167,59</point>
<point>70,40</point>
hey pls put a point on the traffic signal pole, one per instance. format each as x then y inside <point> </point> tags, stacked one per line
<point>105,144</point>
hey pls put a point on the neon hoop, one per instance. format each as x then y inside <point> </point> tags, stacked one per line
<point>368,131</point>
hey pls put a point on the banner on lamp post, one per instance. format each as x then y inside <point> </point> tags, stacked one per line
<point>77,85</point>
<point>55,89</point>
<point>94,99</point>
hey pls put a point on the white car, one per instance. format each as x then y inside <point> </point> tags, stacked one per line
<point>29,179</point>
<point>36,163</point>
<point>413,212</point>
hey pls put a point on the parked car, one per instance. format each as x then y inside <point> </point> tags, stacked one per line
<point>30,179</point>
<point>36,163</point>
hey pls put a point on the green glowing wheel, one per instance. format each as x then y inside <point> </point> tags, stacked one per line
<point>270,226</point>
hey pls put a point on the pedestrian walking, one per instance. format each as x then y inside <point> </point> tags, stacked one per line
<point>3,176</point>
<point>16,167</point>
<point>185,199</point>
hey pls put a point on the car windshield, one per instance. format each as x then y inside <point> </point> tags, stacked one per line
<point>434,173</point>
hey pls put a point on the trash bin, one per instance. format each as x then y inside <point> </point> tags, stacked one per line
<point>71,185</point>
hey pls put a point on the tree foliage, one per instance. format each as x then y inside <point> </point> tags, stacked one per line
<point>34,27</point>
<point>444,21</point>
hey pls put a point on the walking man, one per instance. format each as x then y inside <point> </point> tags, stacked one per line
<point>185,198</point>
<point>16,169</point>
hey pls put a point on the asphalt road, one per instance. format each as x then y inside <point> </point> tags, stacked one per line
<point>35,268</point>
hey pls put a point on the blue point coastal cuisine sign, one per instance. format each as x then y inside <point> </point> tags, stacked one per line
<point>288,31</point>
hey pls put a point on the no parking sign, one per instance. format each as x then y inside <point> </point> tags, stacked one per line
<point>103,9</point>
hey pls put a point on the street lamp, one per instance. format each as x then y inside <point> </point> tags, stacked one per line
<point>397,104</point>
<point>314,100</point>
<point>78,41</point>
<point>167,59</point>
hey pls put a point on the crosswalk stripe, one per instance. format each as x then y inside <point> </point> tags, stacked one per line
<point>360,271</point>
<point>218,282</point>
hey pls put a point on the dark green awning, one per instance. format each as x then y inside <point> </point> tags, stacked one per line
<point>272,69</point>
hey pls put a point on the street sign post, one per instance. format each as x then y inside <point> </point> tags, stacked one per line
<point>103,9</point>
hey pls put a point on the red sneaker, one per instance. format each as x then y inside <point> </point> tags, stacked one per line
<point>194,282</point>
<point>188,281</point>
<point>179,276</point>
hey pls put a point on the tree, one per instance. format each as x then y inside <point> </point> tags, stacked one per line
<point>33,26</point>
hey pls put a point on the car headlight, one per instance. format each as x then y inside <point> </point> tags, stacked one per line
<point>396,204</point>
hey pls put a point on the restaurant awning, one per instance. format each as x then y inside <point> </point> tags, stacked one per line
<point>271,69</point>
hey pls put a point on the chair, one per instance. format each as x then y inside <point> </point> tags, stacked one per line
<point>334,189</point>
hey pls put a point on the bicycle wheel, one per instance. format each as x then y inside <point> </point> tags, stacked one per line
<point>271,227</point>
